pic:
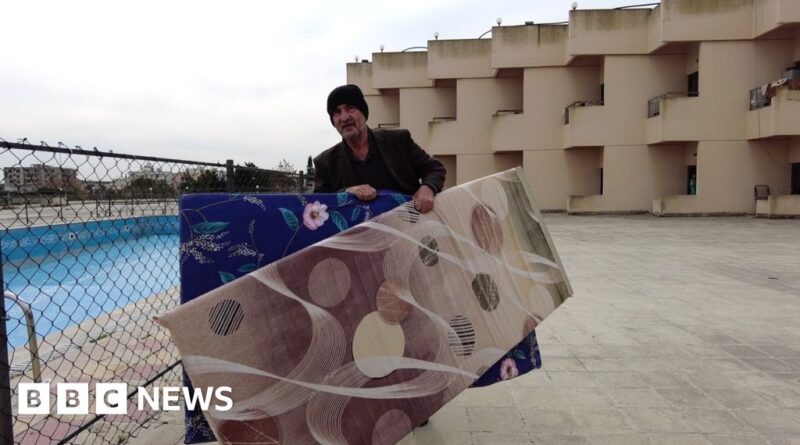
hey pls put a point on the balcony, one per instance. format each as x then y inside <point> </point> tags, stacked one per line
<point>671,118</point>
<point>583,124</point>
<point>508,131</point>
<point>774,110</point>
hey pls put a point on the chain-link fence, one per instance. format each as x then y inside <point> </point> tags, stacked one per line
<point>89,256</point>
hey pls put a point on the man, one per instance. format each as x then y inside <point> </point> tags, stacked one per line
<point>367,160</point>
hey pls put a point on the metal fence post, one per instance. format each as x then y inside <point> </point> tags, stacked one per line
<point>6,415</point>
<point>231,184</point>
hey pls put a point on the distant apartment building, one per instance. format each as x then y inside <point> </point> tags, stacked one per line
<point>39,176</point>
<point>692,107</point>
<point>155,174</point>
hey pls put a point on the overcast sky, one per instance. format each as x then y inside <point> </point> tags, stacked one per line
<point>209,81</point>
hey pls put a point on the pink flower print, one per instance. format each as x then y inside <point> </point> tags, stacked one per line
<point>315,215</point>
<point>508,369</point>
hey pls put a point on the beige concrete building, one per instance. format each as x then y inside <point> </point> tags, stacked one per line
<point>680,109</point>
<point>38,176</point>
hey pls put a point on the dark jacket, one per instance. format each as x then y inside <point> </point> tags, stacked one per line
<point>405,160</point>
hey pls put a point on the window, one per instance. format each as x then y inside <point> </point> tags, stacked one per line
<point>796,179</point>
<point>691,179</point>
<point>601,180</point>
<point>693,84</point>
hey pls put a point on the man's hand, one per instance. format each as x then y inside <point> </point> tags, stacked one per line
<point>423,199</point>
<point>363,192</point>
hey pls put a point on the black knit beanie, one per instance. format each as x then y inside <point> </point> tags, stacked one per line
<point>350,95</point>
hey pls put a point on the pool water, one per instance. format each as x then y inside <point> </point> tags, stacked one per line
<point>73,286</point>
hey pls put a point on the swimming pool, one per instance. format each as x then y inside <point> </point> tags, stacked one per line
<point>73,272</point>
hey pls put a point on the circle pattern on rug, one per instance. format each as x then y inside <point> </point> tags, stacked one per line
<point>462,343</point>
<point>376,338</point>
<point>392,426</point>
<point>485,290</point>
<point>329,282</point>
<point>391,308</point>
<point>225,317</point>
<point>429,256</point>
<point>486,231</point>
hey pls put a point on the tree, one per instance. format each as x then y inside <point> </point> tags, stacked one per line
<point>143,187</point>
<point>207,181</point>
<point>249,178</point>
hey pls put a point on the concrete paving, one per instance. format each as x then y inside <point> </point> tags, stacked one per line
<point>681,331</point>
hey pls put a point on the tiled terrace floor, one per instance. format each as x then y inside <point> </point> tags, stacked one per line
<point>681,331</point>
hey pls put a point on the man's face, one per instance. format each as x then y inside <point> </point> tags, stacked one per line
<point>349,121</point>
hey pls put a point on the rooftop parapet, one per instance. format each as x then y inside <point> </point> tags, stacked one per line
<point>608,31</point>
<point>707,20</point>
<point>400,70</point>
<point>770,15</point>
<point>460,59</point>
<point>360,73</point>
<point>529,46</point>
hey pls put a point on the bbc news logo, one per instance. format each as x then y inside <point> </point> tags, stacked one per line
<point>112,398</point>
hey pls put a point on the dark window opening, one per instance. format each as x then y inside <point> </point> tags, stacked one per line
<point>691,179</point>
<point>796,179</point>
<point>602,93</point>
<point>693,84</point>
<point>601,180</point>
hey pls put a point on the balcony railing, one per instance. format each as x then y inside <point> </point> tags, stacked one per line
<point>507,112</point>
<point>761,97</point>
<point>654,104</point>
<point>579,103</point>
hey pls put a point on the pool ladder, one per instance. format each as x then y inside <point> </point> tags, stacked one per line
<point>33,344</point>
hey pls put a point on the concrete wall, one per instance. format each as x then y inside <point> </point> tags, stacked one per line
<point>660,171</point>
<point>794,150</point>
<point>547,92</point>
<point>452,170</point>
<point>796,51</point>
<point>771,14</point>
<point>706,20</point>
<point>400,70</point>
<point>384,109</point>
<point>361,74</point>
<point>728,170</point>
<point>608,31</point>
<point>477,100</point>
<point>468,58</point>
<point>772,59</point>
<point>476,166</point>
<point>418,106</point>
<point>529,46</point>
<point>630,81</point>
